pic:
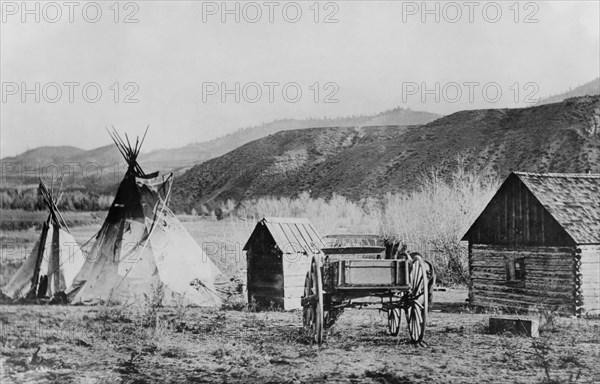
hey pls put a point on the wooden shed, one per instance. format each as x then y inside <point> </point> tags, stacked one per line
<point>537,244</point>
<point>279,252</point>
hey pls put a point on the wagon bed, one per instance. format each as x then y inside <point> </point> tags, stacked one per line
<point>339,279</point>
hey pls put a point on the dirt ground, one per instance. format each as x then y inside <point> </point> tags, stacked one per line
<point>141,344</point>
<point>144,344</point>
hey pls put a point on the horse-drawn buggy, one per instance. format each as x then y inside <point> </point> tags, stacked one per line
<point>365,274</point>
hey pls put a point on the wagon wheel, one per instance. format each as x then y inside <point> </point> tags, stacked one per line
<point>416,304</point>
<point>312,301</point>
<point>307,313</point>
<point>394,319</point>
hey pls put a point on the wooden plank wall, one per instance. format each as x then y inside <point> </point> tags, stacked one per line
<point>295,267</point>
<point>590,278</point>
<point>548,283</point>
<point>265,271</point>
<point>514,216</point>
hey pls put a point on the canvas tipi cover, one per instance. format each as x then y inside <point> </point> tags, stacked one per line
<point>54,262</point>
<point>142,246</point>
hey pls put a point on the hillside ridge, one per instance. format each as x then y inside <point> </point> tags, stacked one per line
<point>180,159</point>
<point>363,162</point>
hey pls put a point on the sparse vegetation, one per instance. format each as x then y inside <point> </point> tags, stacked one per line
<point>18,219</point>
<point>71,200</point>
<point>110,343</point>
<point>433,219</point>
<point>337,214</point>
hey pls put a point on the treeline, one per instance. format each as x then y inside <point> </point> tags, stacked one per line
<point>73,200</point>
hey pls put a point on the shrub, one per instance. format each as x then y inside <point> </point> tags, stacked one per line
<point>433,219</point>
<point>337,214</point>
<point>430,220</point>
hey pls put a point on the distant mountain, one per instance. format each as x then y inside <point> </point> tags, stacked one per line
<point>591,88</point>
<point>168,159</point>
<point>106,164</point>
<point>103,156</point>
<point>46,155</point>
<point>399,116</point>
<point>361,162</point>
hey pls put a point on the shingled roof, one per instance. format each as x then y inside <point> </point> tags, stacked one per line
<point>292,235</point>
<point>573,199</point>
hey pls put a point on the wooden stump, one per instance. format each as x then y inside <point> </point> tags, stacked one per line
<point>525,327</point>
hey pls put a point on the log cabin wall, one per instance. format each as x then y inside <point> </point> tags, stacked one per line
<point>589,279</point>
<point>543,277</point>
<point>265,271</point>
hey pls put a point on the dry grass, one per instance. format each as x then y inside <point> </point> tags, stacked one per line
<point>117,345</point>
<point>433,219</point>
<point>336,215</point>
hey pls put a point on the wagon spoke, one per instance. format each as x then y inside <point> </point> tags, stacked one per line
<point>417,315</point>
<point>420,282</point>
<point>417,330</point>
<point>394,321</point>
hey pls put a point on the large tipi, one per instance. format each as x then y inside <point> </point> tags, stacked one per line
<point>142,248</point>
<point>56,259</point>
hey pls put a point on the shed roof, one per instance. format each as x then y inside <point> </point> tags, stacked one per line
<point>291,235</point>
<point>573,199</point>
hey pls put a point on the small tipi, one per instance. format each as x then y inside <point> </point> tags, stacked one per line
<point>142,248</point>
<point>54,262</point>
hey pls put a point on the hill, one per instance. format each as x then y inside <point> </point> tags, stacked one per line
<point>361,162</point>
<point>101,168</point>
<point>168,159</point>
<point>399,116</point>
<point>45,155</point>
<point>588,89</point>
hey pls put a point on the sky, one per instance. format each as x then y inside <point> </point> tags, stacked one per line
<point>194,71</point>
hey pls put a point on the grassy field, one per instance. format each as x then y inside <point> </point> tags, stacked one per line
<point>61,344</point>
<point>142,343</point>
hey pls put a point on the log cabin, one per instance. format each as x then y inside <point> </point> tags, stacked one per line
<point>279,252</point>
<point>536,245</point>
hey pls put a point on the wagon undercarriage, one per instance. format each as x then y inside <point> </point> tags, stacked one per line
<point>398,286</point>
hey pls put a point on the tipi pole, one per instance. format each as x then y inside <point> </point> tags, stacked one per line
<point>40,258</point>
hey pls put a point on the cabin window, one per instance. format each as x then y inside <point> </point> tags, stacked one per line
<point>515,269</point>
